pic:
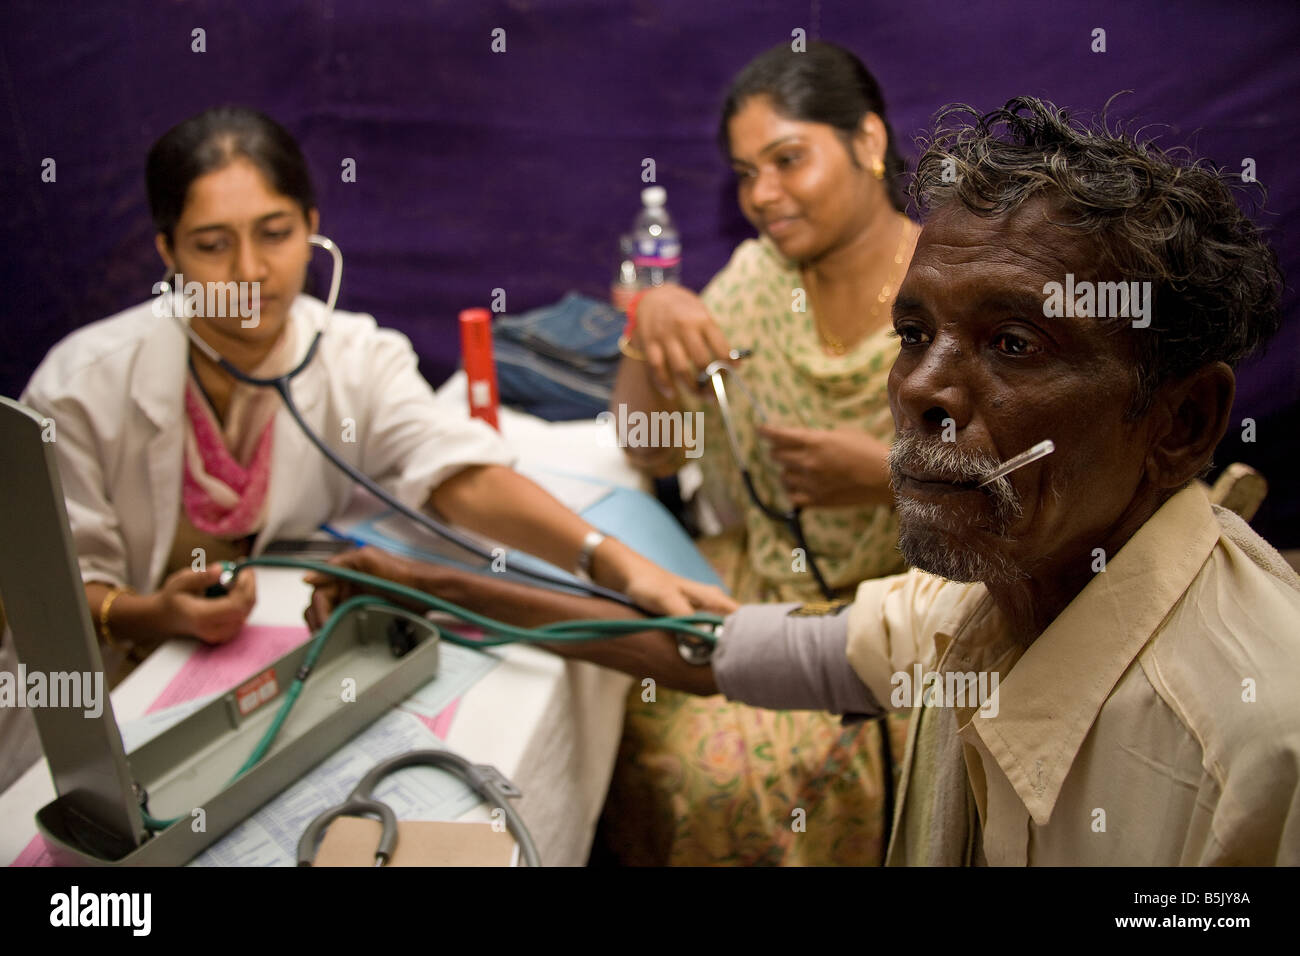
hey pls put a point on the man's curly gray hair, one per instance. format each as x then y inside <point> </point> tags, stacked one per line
<point>1148,214</point>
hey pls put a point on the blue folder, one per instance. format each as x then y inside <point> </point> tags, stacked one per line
<point>632,516</point>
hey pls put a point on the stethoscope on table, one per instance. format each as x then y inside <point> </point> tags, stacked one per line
<point>694,643</point>
<point>361,803</point>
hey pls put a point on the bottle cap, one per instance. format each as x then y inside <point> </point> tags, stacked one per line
<point>654,196</point>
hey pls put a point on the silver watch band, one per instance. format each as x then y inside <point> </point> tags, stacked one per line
<point>590,543</point>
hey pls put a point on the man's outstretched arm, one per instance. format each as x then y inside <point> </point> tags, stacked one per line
<point>766,656</point>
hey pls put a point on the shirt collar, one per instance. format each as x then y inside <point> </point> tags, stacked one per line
<point>1048,702</point>
<point>158,379</point>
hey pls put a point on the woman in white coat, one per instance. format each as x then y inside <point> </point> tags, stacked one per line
<point>165,456</point>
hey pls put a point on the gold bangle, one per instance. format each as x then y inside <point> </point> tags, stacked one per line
<point>109,639</point>
<point>630,350</point>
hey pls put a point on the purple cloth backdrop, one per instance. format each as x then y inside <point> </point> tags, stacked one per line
<point>479,170</point>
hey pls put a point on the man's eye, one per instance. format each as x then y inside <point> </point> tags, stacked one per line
<point>1010,344</point>
<point>210,247</point>
<point>279,235</point>
<point>909,334</point>
<point>787,160</point>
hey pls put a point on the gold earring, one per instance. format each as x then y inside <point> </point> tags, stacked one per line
<point>878,168</point>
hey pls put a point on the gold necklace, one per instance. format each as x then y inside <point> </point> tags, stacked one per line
<point>834,345</point>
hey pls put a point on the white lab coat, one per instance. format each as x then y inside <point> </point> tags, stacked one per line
<point>115,391</point>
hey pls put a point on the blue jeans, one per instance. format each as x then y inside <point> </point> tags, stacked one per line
<point>559,361</point>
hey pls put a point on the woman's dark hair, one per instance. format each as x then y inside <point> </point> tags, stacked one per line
<point>824,84</point>
<point>210,141</point>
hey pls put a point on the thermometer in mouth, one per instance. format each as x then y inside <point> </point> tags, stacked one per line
<point>1041,450</point>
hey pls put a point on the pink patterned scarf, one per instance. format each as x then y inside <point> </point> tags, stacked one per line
<point>228,468</point>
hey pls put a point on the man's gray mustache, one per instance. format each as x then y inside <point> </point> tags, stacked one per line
<point>943,461</point>
<point>938,460</point>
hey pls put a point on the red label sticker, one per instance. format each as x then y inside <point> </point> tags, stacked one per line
<point>256,692</point>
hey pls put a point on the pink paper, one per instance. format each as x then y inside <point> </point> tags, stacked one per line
<point>213,669</point>
<point>35,854</point>
<point>441,725</point>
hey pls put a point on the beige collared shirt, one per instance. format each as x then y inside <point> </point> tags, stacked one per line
<point>1155,722</point>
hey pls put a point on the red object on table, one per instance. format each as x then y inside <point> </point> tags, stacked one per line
<point>629,330</point>
<point>480,369</point>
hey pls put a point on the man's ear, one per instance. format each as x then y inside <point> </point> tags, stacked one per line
<point>1194,412</point>
<point>164,249</point>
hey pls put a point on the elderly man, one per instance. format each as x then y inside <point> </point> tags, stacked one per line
<point>1102,668</point>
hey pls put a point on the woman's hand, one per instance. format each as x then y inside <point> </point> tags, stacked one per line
<point>830,467</point>
<point>652,588</point>
<point>183,609</point>
<point>678,336</point>
<point>664,593</point>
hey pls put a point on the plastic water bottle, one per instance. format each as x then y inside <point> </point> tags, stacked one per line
<point>625,285</point>
<point>656,247</point>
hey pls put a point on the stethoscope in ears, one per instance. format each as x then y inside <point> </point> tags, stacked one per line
<point>281,384</point>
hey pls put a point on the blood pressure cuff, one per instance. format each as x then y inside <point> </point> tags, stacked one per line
<point>791,657</point>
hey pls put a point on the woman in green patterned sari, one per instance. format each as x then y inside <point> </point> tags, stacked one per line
<point>699,780</point>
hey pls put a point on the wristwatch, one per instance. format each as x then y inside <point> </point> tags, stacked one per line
<point>589,545</point>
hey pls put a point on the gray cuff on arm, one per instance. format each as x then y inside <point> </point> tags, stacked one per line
<point>767,658</point>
